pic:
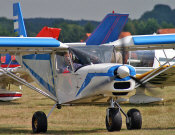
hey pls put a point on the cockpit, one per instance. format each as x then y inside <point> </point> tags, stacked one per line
<point>77,57</point>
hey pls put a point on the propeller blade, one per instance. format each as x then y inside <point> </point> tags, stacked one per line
<point>151,89</point>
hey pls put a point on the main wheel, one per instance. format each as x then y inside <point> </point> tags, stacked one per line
<point>135,119</point>
<point>113,119</point>
<point>39,122</point>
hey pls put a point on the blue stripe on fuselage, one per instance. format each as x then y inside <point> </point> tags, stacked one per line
<point>110,73</point>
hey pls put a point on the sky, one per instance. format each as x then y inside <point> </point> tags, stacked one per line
<point>80,9</point>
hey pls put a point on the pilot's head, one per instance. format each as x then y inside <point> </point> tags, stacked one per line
<point>68,58</point>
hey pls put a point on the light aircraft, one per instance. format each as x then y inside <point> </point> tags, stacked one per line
<point>9,63</point>
<point>74,74</point>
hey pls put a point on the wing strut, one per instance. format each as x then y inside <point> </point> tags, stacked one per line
<point>154,74</point>
<point>8,73</point>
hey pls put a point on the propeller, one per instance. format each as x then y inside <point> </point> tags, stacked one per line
<point>123,52</point>
<point>149,87</point>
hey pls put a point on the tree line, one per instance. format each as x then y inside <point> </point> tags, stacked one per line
<point>74,31</point>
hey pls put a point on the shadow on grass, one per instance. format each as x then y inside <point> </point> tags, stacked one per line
<point>9,103</point>
<point>158,128</point>
<point>72,132</point>
<point>5,130</point>
<point>14,130</point>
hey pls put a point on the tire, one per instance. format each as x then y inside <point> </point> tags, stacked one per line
<point>135,119</point>
<point>115,120</point>
<point>39,122</point>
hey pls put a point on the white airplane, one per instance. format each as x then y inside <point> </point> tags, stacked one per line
<point>73,74</point>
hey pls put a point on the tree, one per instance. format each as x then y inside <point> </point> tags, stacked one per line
<point>71,32</point>
<point>88,27</point>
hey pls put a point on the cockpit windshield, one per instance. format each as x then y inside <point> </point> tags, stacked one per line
<point>87,55</point>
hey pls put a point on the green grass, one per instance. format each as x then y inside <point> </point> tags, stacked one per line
<point>15,117</point>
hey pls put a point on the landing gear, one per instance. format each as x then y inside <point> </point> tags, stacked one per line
<point>39,122</point>
<point>135,119</point>
<point>114,119</point>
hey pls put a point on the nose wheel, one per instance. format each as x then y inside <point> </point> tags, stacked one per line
<point>114,119</point>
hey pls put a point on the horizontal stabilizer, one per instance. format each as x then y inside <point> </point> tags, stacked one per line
<point>108,30</point>
<point>19,26</point>
<point>49,32</point>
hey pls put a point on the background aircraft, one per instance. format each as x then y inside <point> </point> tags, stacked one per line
<point>9,61</point>
<point>90,77</point>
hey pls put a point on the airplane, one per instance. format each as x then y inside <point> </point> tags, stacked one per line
<point>75,74</point>
<point>9,63</point>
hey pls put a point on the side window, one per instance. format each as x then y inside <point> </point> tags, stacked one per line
<point>63,62</point>
<point>141,58</point>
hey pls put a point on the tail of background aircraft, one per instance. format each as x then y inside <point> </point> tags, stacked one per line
<point>19,26</point>
<point>108,30</point>
<point>49,32</point>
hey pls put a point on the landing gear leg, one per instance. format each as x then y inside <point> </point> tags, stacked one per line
<point>39,120</point>
<point>133,118</point>
<point>114,119</point>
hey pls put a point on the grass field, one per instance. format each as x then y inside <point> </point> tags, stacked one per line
<point>15,117</point>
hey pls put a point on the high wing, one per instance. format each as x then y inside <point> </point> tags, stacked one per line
<point>29,45</point>
<point>145,42</point>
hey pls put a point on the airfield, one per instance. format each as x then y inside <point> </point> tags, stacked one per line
<point>16,116</point>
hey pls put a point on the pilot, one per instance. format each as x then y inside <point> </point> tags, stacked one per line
<point>67,67</point>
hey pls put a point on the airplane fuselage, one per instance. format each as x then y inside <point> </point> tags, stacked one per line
<point>91,80</point>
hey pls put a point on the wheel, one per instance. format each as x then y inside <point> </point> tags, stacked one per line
<point>135,119</point>
<point>39,122</point>
<point>113,119</point>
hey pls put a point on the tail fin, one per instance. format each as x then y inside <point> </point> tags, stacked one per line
<point>19,26</point>
<point>108,30</point>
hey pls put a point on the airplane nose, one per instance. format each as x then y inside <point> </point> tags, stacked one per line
<point>123,71</point>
